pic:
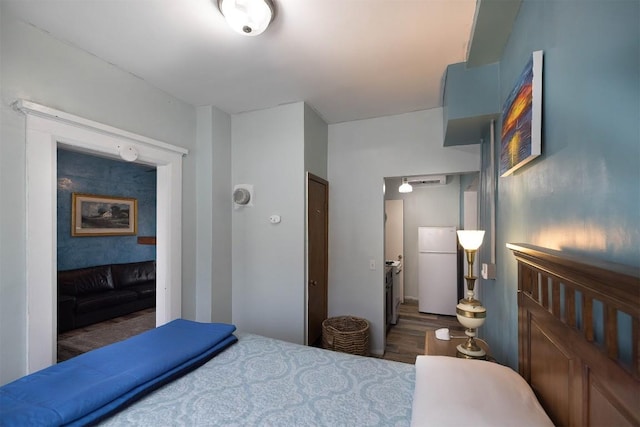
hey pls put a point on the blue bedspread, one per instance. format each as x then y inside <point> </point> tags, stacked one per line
<point>88,387</point>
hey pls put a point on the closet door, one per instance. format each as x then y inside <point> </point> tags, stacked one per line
<point>318,235</point>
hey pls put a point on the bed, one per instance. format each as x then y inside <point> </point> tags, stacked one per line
<point>578,350</point>
<point>578,363</point>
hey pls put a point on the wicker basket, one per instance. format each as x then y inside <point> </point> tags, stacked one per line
<point>346,334</point>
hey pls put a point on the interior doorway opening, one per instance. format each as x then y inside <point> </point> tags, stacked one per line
<point>111,196</point>
<point>435,200</point>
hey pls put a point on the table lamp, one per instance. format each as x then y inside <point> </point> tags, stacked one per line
<point>470,312</point>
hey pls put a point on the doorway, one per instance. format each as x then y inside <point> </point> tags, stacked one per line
<point>318,239</point>
<point>81,173</point>
<point>45,129</point>
<point>434,202</point>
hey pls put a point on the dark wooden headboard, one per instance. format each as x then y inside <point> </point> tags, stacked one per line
<point>579,324</point>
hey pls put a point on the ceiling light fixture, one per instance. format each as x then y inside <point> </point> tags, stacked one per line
<point>405,187</point>
<point>247,17</point>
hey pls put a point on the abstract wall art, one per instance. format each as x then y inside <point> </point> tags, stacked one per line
<point>522,119</point>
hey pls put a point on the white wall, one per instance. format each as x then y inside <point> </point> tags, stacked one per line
<point>268,259</point>
<point>315,143</point>
<point>39,68</point>
<point>213,216</point>
<point>204,211</point>
<point>425,206</point>
<point>221,217</point>
<point>361,154</point>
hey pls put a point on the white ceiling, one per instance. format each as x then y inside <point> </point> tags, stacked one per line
<point>348,59</point>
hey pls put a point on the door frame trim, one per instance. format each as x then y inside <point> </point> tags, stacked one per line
<point>46,128</point>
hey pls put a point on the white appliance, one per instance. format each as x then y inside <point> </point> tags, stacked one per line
<point>437,270</point>
<point>396,269</point>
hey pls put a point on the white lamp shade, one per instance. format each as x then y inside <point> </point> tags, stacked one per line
<point>470,239</point>
<point>247,17</point>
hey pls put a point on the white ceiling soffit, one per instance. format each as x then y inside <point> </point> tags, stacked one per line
<point>348,59</point>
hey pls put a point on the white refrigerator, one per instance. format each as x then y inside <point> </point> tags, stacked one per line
<point>437,270</point>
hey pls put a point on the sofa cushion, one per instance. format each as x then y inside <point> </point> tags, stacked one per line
<point>66,307</point>
<point>85,280</point>
<point>102,300</point>
<point>133,273</point>
<point>144,289</point>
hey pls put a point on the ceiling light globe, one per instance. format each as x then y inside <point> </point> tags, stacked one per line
<point>247,17</point>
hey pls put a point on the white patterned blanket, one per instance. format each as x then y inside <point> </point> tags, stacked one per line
<point>264,382</point>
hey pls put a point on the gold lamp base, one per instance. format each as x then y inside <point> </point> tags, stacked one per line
<point>471,314</point>
<point>470,350</point>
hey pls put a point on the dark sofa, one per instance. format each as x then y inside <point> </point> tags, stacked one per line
<point>94,294</point>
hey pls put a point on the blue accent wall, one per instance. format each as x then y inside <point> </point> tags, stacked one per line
<point>81,173</point>
<point>583,194</point>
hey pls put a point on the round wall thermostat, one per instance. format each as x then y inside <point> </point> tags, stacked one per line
<point>241,196</point>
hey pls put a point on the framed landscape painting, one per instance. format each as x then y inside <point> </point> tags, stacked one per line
<point>94,215</point>
<point>522,119</point>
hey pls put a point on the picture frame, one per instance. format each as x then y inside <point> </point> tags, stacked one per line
<point>522,119</point>
<point>98,215</point>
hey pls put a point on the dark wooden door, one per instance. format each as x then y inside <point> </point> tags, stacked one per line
<point>318,232</point>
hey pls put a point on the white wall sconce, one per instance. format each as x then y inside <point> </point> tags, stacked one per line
<point>247,17</point>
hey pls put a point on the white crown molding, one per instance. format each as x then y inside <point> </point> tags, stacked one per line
<point>32,108</point>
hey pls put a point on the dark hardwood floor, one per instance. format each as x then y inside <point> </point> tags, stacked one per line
<point>405,340</point>
<point>77,341</point>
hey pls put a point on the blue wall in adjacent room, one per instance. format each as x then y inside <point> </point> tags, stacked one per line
<point>583,194</point>
<point>81,173</point>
